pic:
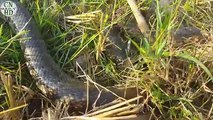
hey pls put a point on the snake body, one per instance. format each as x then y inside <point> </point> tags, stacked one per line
<point>40,64</point>
<point>44,69</point>
<point>47,73</point>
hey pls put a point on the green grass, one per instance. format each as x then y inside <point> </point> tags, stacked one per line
<point>178,81</point>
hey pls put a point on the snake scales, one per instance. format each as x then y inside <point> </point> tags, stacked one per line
<point>47,73</point>
<point>43,68</point>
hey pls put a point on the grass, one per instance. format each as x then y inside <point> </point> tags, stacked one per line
<point>177,79</point>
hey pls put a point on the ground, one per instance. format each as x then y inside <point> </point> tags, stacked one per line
<point>173,69</point>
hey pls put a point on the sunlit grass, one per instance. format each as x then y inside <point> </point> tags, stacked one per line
<point>177,79</point>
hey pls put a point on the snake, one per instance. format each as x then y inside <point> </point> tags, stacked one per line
<point>40,64</point>
<point>51,79</point>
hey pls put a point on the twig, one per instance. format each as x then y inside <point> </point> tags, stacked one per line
<point>142,24</point>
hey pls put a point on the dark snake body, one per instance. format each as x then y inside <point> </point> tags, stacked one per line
<point>47,73</point>
<point>40,64</point>
<point>43,68</point>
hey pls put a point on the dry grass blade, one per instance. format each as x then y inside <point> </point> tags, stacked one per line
<point>134,110</point>
<point>142,24</point>
<point>82,18</point>
<point>8,85</point>
<point>114,106</point>
<point>15,103</point>
<point>13,111</point>
<point>115,111</point>
<point>129,117</point>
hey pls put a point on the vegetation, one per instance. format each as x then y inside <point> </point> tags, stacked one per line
<point>175,75</point>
